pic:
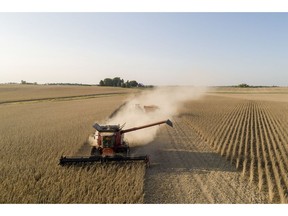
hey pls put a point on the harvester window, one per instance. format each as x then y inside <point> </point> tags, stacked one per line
<point>108,141</point>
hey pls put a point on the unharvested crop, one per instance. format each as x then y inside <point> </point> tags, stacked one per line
<point>186,166</point>
<point>252,134</point>
<point>33,136</point>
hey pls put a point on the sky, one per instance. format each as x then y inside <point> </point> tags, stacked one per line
<point>152,48</point>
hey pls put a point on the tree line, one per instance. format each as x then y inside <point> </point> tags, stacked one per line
<point>115,82</point>
<point>118,82</point>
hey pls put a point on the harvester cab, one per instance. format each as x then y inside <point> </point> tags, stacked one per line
<point>110,145</point>
<point>109,141</point>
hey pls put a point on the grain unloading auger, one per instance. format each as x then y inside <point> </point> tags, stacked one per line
<point>110,145</point>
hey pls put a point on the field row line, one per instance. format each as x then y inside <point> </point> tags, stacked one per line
<point>251,136</point>
<point>212,184</point>
<point>62,98</point>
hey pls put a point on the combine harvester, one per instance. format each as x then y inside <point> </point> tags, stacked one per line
<point>110,145</point>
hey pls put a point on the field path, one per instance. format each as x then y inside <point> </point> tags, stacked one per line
<point>185,169</point>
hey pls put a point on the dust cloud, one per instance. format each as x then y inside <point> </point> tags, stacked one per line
<point>151,106</point>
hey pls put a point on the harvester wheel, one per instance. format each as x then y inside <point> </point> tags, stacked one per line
<point>94,151</point>
<point>127,151</point>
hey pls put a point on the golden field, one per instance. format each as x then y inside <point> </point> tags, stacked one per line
<point>229,146</point>
<point>34,135</point>
<point>18,93</point>
<point>251,132</point>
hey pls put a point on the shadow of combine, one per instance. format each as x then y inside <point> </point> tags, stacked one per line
<point>84,150</point>
<point>171,160</point>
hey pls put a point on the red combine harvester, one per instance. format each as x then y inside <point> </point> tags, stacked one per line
<point>110,145</point>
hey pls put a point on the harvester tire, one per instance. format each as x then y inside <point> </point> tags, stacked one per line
<point>93,151</point>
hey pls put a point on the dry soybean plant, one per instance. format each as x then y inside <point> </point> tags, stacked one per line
<point>32,138</point>
<point>251,134</point>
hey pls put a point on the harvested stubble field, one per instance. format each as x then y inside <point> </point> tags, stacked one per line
<point>248,130</point>
<point>38,93</point>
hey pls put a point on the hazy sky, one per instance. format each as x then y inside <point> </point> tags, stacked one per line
<point>152,48</point>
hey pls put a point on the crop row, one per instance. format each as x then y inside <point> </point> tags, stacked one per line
<point>32,139</point>
<point>250,134</point>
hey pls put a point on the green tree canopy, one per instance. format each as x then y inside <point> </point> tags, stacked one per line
<point>118,82</point>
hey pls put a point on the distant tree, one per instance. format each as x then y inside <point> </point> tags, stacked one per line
<point>133,83</point>
<point>127,84</point>
<point>116,81</point>
<point>28,83</point>
<point>108,82</point>
<point>243,85</point>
